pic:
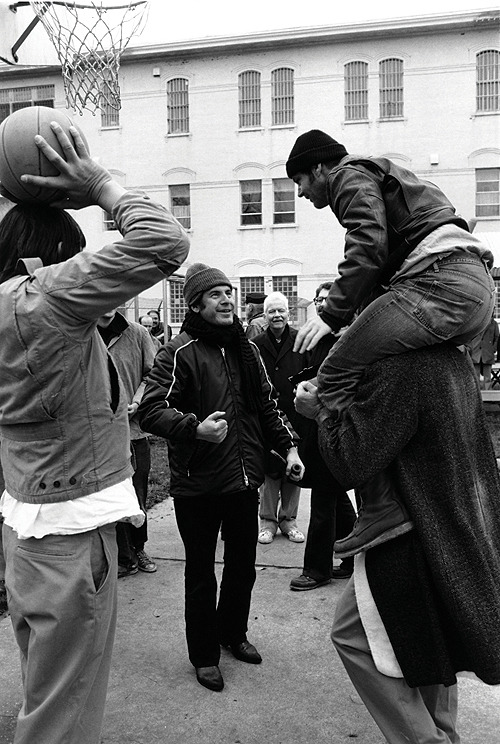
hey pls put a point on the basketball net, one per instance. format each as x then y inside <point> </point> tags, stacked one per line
<point>89,38</point>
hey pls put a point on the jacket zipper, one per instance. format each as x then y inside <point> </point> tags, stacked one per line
<point>237,418</point>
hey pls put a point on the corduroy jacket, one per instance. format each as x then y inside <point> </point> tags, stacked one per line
<point>63,413</point>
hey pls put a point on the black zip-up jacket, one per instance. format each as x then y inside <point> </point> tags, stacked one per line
<point>191,379</point>
<point>386,211</point>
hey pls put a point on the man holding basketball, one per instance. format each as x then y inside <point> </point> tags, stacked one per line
<point>65,436</point>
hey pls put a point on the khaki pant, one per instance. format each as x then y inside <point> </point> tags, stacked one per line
<point>279,504</point>
<point>62,601</point>
<point>420,715</point>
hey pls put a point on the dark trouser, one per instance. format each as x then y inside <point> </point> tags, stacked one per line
<point>199,520</point>
<point>332,517</point>
<point>332,513</point>
<point>130,538</point>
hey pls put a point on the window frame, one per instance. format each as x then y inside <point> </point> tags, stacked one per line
<point>356,91</point>
<point>13,99</point>
<point>391,88</point>
<point>247,213</point>
<point>177,90</point>
<point>177,304</point>
<point>282,97</point>
<point>494,189</point>
<point>250,99</point>
<point>249,284</point>
<point>176,209</point>
<point>278,189</point>
<point>108,222</point>
<point>110,116</point>
<point>488,81</point>
<point>288,285</point>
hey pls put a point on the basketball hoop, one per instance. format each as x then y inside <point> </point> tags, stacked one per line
<point>89,38</point>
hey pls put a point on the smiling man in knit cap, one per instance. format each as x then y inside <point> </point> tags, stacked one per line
<point>411,269</point>
<point>209,396</point>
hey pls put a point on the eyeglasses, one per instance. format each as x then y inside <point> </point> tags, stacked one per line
<point>319,300</point>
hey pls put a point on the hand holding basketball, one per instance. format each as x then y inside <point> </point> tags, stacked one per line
<point>45,159</point>
<point>83,181</point>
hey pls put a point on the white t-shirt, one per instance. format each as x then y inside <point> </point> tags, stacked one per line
<point>116,503</point>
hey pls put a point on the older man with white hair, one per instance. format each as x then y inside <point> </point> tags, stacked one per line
<point>276,348</point>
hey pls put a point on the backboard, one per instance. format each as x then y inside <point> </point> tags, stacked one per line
<point>36,49</point>
<point>86,38</point>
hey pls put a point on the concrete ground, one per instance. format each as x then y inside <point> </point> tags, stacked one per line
<point>300,694</point>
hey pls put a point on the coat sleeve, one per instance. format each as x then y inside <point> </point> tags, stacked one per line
<point>357,201</point>
<point>91,284</point>
<point>376,426</point>
<point>161,410</point>
<point>273,422</point>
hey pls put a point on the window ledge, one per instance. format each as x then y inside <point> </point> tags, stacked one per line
<point>111,128</point>
<point>251,227</point>
<point>356,121</point>
<point>250,129</point>
<point>174,135</point>
<point>386,119</point>
<point>284,226</point>
<point>282,126</point>
<point>481,114</point>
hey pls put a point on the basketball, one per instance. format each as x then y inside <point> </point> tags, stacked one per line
<point>19,154</point>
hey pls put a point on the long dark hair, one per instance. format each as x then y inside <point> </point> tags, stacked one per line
<point>37,231</point>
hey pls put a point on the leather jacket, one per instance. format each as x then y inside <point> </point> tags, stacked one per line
<point>386,211</point>
<point>63,410</point>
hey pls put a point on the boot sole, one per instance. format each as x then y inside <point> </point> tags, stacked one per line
<point>379,540</point>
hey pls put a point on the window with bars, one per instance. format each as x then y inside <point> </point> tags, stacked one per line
<point>178,106</point>
<point>391,88</point>
<point>108,222</point>
<point>496,297</point>
<point>249,99</point>
<point>180,204</point>
<point>110,116</point>
<point>178,307</point>
<point>282,101</point>
<point>356,91</point>
<point>284,201</point>
<point>251,202</point>
<point>13,99</point>
<point>249,284</point>
<point>488,81</point>
<point>488,192</point>
<point>287,285</point>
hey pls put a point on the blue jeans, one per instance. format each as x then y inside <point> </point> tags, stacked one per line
<point>452,300</point>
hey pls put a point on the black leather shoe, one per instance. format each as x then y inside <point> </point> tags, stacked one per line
<point>305,583</point>
<point>210,677</point>
<point>244,651</point>
<point>342,572</point>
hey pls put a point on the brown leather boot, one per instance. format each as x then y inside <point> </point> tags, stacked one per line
<point>382,517</point>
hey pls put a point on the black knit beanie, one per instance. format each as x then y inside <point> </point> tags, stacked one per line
<point>199,278</point>
<point>311,148</point>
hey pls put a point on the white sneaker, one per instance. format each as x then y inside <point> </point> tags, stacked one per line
<point>266,536</point>
<point>295,535</point>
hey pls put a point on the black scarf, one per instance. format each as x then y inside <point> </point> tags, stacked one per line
<point>223,336</point>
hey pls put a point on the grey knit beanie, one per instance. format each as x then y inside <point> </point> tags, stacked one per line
<point>311,148</point>
<point>199,278</point>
